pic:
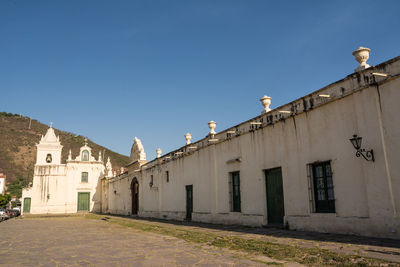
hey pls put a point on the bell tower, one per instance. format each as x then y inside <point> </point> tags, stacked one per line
<point>49,149</point>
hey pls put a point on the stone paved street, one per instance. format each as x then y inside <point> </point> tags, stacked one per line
<point>78,241</point>
<point>66,241</point>
<point>378,248</point>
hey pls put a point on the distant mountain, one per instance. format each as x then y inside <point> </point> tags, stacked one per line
<point>18,136</point>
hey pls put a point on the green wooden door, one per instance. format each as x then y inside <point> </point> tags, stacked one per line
<point>83,201</point>
<point>275,204</point>
<point>189,202</point>
<point>236,205</point>
<point>27,205</point>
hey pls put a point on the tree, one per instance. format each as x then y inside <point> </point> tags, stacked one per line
<point>4,199</point>
<point>15,187</point>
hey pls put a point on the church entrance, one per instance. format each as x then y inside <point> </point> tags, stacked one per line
<point>135,196</point>
<point>83,201</point>
<point>27,205</point>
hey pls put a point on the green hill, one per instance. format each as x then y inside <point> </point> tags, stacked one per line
<point>18,137</point>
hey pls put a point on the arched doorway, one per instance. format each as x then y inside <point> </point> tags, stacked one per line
<point>135,195</point>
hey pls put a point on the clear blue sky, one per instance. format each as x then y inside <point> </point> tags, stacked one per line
<point>112,70</point>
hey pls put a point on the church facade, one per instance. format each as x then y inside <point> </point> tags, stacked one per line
<point>63,188</point>
<point>325,162</point>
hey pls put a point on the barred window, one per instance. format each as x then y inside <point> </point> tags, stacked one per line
<point>84,177</point>
<point>323,187</point>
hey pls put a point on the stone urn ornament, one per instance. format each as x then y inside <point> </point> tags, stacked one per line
<point>188,138</point>
<point>362,55</point>
<point>266,102</point>
<point>212,125</point>
<point>158,151</point>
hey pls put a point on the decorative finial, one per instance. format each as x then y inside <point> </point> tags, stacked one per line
<point>100,156</point>
<point>188,138</point>
<point>212,125</point>
<point>85,141</point>
<point>266,102</point>
<point>70,155</point>
<point>137,151</point>
<point>158,151</point>
<point>362,55</point>
<point>109,168</point>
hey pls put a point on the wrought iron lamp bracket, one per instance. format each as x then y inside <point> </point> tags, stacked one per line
<point>366,154</point>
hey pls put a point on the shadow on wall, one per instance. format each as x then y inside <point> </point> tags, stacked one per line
<point>96,198</point>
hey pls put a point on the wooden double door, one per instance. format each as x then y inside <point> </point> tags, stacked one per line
<point>27,205</point>
<point>275,200</point>
<point>83,201</point>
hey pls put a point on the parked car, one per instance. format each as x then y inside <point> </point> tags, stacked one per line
<point>10,213</point>
<point>17,208</point>
<point>2,211</point>
<point>17,212</point>
<point>4,214</point>
<point>13,213</point>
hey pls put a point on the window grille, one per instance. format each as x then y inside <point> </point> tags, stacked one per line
<point>310,188</point>
<point>322,182</point>
<point>85,177</point>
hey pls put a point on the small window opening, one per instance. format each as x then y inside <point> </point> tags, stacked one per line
<point>151,181</point>
<point>85,177</point>
<point>85,155</point>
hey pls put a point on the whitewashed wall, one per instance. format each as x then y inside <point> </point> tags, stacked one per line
<point>367,198</point>
<point>55,188</point>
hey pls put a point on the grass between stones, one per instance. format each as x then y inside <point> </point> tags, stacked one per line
<point>308,256</point>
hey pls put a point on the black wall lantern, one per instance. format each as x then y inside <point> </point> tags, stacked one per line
<point>367,154</point>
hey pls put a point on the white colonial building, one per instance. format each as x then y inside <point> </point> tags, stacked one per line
<point>328,162</point>
<point>2,183</point>
<point>63,188</point>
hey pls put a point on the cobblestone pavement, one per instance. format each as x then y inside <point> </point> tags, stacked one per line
<point>76,241</point>
<point>379,248</point>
